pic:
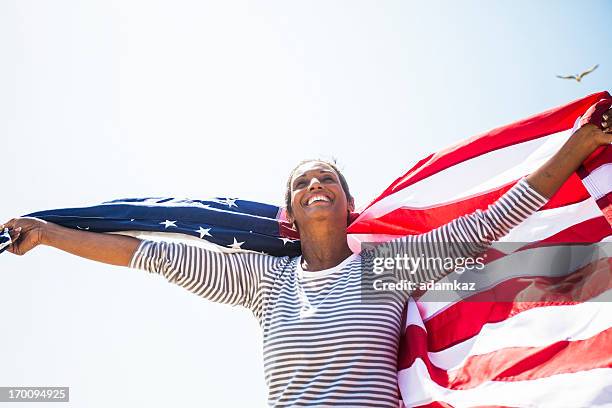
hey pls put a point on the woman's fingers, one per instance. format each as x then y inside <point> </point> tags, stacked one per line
<point>9,224</point>
<point>600,115</point>
<point>25,233</point>
<point>15,232</point>
<point>16,245</point>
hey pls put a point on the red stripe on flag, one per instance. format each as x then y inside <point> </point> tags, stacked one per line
<point>440,404</point>
<point>436,404</point>
<point>589,231</point>
<point>451,327</point>
<point>600,157</point>
<point>407,221</point>
<point>517,363</point>
<point>571,192</point>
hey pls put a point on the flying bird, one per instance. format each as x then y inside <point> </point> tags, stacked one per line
<point>579,77</point>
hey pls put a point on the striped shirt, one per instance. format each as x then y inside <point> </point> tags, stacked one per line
<point>323,345</point>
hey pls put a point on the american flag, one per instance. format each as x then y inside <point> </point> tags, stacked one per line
<point>230,224</point>
<point>453,353</point>
<point>556,351</point>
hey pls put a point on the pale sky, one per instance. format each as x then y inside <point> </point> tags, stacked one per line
<point>108,99</point>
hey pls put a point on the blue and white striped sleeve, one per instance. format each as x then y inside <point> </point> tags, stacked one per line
<point>472,234</point>
<point>231,278</point>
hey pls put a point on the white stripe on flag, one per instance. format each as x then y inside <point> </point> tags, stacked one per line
<point>467,179</point>
<point>599,182</point>
<point>546,223</point>
<point>580,389</point>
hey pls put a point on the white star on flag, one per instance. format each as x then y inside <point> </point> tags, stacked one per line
<point>236,244</point>
<point>285,240</point>
<point>230,202</point>
<point>169,223</point>
<point>204,232</point>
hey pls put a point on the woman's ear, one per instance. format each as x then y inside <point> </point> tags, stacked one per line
<point>350,216</point>
<point>351,204</point>
<point>289,216</point>
<point>291,220</point>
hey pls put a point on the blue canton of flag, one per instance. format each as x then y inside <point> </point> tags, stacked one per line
<point>227,222</point>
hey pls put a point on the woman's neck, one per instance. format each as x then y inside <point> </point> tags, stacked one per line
<point>323,247</point>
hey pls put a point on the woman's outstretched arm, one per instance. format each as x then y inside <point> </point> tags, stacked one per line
<point>27,233</point>
<point>233,278</point>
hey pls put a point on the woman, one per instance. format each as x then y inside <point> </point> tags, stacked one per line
<point>323,346</point>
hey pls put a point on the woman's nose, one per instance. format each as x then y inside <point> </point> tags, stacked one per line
<point>314,184</point>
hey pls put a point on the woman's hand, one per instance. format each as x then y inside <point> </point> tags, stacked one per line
<point>606,123</point>
<point>593,136</point>
<point>596,124</point>
<point>597,114</point>
<point>26,233</point>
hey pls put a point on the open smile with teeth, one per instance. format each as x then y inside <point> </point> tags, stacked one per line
<point>318,198</point>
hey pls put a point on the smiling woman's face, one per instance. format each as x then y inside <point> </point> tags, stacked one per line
<point>317,195</point>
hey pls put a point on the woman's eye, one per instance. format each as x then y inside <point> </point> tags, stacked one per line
<point>299,184</point>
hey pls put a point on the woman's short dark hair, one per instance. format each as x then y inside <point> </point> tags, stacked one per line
<point>333,165</point>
